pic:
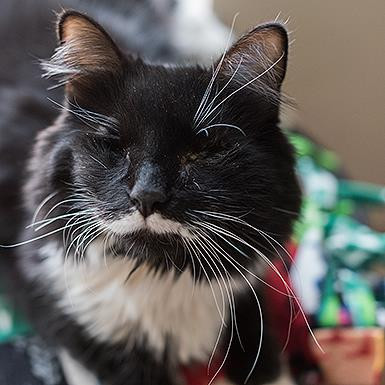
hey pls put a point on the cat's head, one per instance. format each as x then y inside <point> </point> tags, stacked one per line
<point>173,164</point>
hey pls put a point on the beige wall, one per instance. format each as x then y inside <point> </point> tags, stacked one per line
<point>336,72</point>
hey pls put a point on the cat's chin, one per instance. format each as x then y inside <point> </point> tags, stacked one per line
<point>154,223</point>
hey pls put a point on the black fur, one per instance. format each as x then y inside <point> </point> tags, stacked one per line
<point>149,138</point>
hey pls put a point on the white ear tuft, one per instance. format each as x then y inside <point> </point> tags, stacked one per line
<point>259,58</point>
<point>85,49</point>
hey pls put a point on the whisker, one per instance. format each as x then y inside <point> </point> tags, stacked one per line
<point>246,84</point>
<point>209,282</point>
<point>41,205</point>
<point>34,239</point>
<point>215,74</point>
<point>95,116</point>
<point>226,289</point>
<point>47,222</point>
<point>233,236</point>
<point>76,114</point>
<point>98,161</point>
<point>229,292</point>
<point>259,309</point>
<point>222,125</point>
<point>208,109</point>
<point>67,200</point>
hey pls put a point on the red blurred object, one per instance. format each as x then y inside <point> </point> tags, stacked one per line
<point>199,374</point>
<point>353,356</point>
<point>292,334</point>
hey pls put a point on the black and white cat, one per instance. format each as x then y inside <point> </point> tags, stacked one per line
<point>150,208</point>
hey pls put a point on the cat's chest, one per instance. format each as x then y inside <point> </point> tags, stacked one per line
<point>148,306</point>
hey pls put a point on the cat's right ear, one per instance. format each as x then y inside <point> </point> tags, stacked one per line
<point>85,51</point>
<point>258,59</point>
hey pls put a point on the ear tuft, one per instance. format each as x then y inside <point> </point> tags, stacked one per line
<point>259,58</point>
<point>85,48</point>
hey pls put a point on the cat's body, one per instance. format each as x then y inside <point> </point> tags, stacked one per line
<point>153,199</point>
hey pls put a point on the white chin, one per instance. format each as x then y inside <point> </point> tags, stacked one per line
<point>155,223</point>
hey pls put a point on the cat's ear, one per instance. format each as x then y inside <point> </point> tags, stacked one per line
<point>85,50</point>
<point>259,58</point>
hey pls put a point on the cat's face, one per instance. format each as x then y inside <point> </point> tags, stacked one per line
<point>171,163</point>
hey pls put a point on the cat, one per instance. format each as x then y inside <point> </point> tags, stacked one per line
<point>148,210</point>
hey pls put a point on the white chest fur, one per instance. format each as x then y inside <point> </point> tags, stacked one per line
<point>156,306</point>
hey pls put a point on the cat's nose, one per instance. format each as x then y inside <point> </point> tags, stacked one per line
<point>148,191</point>
<point>147,200</point>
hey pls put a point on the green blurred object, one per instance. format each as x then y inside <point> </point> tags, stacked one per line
<point>350,249</point>
<point>305,147</point>
<point>11,323</point>
<point>352,244</point>
<point>328,313</point>
<point>358,298</point>
<point>363,193</point>
<point>347,300</point>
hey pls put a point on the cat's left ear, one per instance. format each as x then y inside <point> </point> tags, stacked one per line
<point>259,58</point>
<point>85,50</point>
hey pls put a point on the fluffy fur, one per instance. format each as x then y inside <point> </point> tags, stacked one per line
<point>150,207</point>
<point>148,306</point>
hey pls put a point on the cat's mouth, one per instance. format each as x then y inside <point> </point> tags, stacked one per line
<point>154,223</point>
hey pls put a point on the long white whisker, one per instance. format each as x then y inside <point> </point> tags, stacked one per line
<point>208,109</point>
<point>47,222</point>
<point>82,118</point>
<point>67,200</point>
<point>186,246</point>
<point>231,235</point>
<point>212,80</point>
<point>232,315</point>
<point>195,250</point>
<point>41,205</point>
<point>81,219</point>
<point>222,125</point>
<point>245,85</point>
<point>268,238</point>
<point>34,239</point>
<point>95,116</point>
<point>245,255</point>
<point>85,235</point>
<point>214,244</point>
<point>229,291</point>
<point>78,237</point>
<point>91,238</point>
